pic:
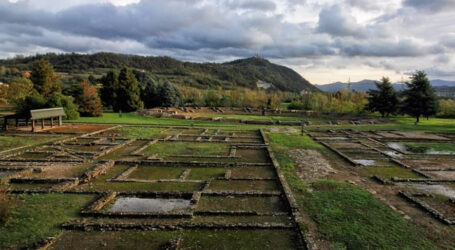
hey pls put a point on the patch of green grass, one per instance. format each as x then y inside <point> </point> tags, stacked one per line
<point>353,218</point>
<point>138,186</point>
<point>240,185</point>
<point>115,240</point>
<point>192,239</point>
<point>253,172</point>
<point>264,118</point>
<point>258,204</point>
<point>38,216</point>
<point>139,132</point>
<point>281,143</point>
<point>132,118</point>
<point>206,173</point>
<point>240,239</point>
<point>242,219</point>
<point>292,141</point>
<point>167,149</point>
<point>155,173</point>
<point>10,142</point>
<point>388,172</point>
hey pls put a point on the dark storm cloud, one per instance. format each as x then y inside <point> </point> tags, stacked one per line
<point>431,5</point>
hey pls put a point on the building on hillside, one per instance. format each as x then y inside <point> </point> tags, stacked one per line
<point>264,85</point>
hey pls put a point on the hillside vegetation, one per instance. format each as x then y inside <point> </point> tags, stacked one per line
<point>243,72</point>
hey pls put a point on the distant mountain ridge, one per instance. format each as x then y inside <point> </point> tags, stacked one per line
<point>365,85</point>
<point>243,72</point>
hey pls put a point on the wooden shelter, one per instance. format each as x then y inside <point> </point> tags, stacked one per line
<point>36,115</point>
<point>43,114</point>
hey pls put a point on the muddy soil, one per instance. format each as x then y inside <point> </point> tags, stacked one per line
<point>311,165</point>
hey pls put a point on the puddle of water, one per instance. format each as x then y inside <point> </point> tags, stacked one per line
<point>434,152</point>
<point>417,150</point>
<point>435,189</point>
<point>134,204</point>
<point>366,162</point>
<point>393,154</point>
<point>398,146</point>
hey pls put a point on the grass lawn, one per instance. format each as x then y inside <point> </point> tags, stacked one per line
<point>264,118</point>
<point>388,172</point>
<point>192,239</point>
<point>166,149</point>
<point>139,132</point>
<point>10,142</point>
<point>281,142</point>
<point>38,216</point>
<point>398,123</point>
<point>339,209</point>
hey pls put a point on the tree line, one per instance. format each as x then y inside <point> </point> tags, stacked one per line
<point>418,100</point>
<point>43,89</point>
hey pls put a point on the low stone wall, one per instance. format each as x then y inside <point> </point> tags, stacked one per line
<point>138,151</point>
<point>113,148</point>
<point>192,163</point>
<point>306,240</point>
<point>98,170</point>
<point>347,158</point>
<point>176,226</point>
<point>426,207</point>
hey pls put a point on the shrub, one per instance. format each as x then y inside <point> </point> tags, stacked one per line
<point>5,205</point>
<point>67,102</point>
<point>296,104</point>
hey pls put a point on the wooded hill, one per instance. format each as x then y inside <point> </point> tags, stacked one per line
<point>243,72</point>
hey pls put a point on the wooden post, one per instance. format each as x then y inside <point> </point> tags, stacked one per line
<point>60,120</point>
<point>17,122</point>
<point>5,123</point>
<point>33,125</point>
<point>42,123</point>
<point>52,122</point>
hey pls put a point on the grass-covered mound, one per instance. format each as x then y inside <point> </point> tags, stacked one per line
<point>352,218</point>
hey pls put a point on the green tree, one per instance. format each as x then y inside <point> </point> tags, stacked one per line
<point>150,95</point>
<point>383,100</point>
<point>33,101</point>
<point>88,100</point>
<point>212,99</point>
<point>169,95</point>
<point>20,88</point>
<point>109,90</point>
<point>128,93</point>
<point>67,102</point>
<point>45,81</point>
<point>419,98</point>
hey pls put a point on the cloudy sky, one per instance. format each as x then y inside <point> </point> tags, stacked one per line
<point>324,40</point>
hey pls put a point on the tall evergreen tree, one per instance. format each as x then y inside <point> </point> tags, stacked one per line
<point>128,92</point>
<point>150,95</point>
<point>419,98</point>
<point>108,92</point>
<point>383,100</point>
<point>44,79</point>
<point>169,95</point>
